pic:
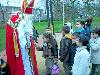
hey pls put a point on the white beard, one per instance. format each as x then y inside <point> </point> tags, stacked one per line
<point>24,32</point>
<point>25,29</point>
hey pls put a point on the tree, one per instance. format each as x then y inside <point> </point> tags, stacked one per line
<point>57,9</point>
<point>47,8</point>
<point>2,11</point>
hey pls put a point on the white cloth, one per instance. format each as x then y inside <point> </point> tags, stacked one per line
<point>24,32</point>
<point>95,50</point>
<point>81,62</point>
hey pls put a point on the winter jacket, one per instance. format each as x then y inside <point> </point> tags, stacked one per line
<point>83,31</point>
<point>95,50</point>
<point>50,49</point>
<point>81,62</point>
<point>80,30</point>
<point>73,52</point>
<point>35,34</point>
<point>65,48</point>
<point>88,31</point>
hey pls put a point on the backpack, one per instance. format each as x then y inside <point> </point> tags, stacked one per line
<point>55,70</point>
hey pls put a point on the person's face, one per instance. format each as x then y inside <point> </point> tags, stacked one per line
<point>63,33</point>
<point>78,25</point>
<point>94,35</point>
<point>45,39</point>
<point>48,31</point>
<point>78,42</point>
<point>74,39</point>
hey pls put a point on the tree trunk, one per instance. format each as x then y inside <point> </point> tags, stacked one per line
<point>3,15</point>
<point>47,8</point>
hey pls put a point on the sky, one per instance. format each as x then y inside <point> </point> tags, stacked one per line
<point>38,3</point>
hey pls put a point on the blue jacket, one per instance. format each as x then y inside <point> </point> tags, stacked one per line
<point>84,31</point>
<point>88,31</point>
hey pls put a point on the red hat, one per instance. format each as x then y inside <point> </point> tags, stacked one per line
<point>27,8</point>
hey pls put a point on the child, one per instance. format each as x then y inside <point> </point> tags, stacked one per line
<point>70,25</point>
<point>50,51</point>
<point>82,57</point>
<point>89,21</point>
<point>74,47</point>
<point>80,28</point>
<point>65,48</point>
<point>95,51</point>
<point>35,34</point>
<point>4,68</point>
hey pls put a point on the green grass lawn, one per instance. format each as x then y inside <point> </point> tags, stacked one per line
<point>41,26</point>
<point>2,38</point>
<point>96,22</point>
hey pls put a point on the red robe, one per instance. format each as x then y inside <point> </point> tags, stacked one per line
<point>33,57</point>
<point>15,63</point>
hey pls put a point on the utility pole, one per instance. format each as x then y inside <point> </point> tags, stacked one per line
<point>51,11</point>
<point>63,13</point>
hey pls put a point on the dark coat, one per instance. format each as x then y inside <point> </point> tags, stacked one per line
<point>73,52</point>
<point>65,49</point>
<point>50,49</point>
<point>4,68</point>
<point>35,34</point>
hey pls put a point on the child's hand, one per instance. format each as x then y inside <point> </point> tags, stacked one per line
<point>90,66</point>
<point>71,72</point>
<point>93,36</point>
<point>55,60</point>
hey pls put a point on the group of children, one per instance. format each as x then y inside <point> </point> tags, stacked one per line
<point>79,52</point>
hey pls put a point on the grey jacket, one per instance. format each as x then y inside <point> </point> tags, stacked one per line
<point>95,50</point>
